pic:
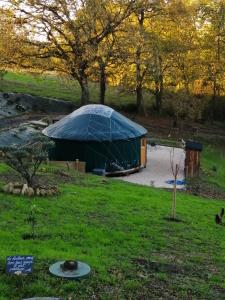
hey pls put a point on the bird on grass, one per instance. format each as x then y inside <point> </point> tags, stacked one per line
<point>219,217</point>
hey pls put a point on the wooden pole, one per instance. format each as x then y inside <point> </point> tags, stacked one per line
<point>175,192</point>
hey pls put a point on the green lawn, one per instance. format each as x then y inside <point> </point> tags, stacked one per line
<point>40,85</point>
<point>62,88</point>
<point>121,231</point>
<point>213,160</point>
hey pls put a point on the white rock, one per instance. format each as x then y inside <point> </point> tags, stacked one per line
<point>24,189</point>
<point>30,192</point>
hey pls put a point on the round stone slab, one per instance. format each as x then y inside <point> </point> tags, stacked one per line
<point>82,271</point>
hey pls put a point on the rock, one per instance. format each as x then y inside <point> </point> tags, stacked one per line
<point>26,192</point>
<point>10,189</point>
<point>20,108</point>
<point>5,95</point>
<point>42,192</point>
<point>18,185</point>
<point>104,180</point>
<point>24,189</point>
<point>63,174</point>
<point>5,188</point>
<point>16,191</point>
<point>48,192</point>
<point>39,124</point>
<point>54,192</point>
<point>37,191</point>
<point>30,192</point>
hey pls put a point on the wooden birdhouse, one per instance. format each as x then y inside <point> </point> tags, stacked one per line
<point>192,158</point>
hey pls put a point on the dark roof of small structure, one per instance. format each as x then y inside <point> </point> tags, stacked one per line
<point>95,122</point>
<point>191,145</point>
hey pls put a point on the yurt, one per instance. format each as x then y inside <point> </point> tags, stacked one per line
<point>101,137</point>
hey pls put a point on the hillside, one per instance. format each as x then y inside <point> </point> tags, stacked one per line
<point>121,230</point>
<point>53,86</point>
<point>132,91</point>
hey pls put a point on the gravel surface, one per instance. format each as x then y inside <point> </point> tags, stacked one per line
<point>158,169</point>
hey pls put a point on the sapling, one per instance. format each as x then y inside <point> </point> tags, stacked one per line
<point>27,159</point>
<point>32,219</point>
<point>175,167</point>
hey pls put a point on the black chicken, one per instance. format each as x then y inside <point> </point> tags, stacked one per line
<point>218,219</point>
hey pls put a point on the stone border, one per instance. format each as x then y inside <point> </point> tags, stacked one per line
<point>25,190</point>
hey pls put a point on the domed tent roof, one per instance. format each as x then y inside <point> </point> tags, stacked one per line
<point>94,122</point>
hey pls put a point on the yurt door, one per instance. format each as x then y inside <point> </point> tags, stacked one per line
<point>144,152</point>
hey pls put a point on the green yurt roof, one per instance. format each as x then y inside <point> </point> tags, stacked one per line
<point>95,122</point>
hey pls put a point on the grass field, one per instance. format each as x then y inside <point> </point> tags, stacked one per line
<point>121,231</point>
<point>214,164</point>
<point>61,88</point>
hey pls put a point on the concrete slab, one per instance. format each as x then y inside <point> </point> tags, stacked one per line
<point>158,169</point>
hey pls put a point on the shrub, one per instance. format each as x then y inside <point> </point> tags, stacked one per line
<point>27,159</point>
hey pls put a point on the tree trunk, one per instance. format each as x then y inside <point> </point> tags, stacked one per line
<point>85,97</point>
<point>213,109</point>
<point>158,100</point>
<point>139,94</point>
<point>29,180</point>
<point>139,98</point>
<point>158,94</point>
<point>102,83</point>
<point>174,205</point>
<point>139,72</point>
<point>174,199</point>
<point>159,87</point>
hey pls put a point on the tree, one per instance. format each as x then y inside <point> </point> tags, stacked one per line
<point>32,220</point>
<point>16,51</point>
<point>175,170</point>
<point>9,40</point>
<point>212,16</point>
<point>134,43</point>
<point>145,54</point>
<point>105,58</point>
<point>71,31</point>
<point>27,159</point>
<point>150,48</point>
<point>175,49</point>
<point>140,68</point>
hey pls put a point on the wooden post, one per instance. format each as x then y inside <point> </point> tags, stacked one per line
<point>143,159</point>
<point>175,192</point>
<point>192,163</point>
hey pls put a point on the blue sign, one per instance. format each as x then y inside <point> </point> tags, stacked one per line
<point>19,264</point>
